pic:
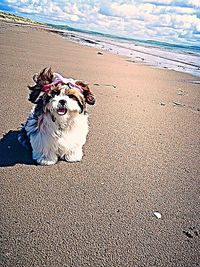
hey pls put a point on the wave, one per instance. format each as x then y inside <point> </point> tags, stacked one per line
<point>178,57</point>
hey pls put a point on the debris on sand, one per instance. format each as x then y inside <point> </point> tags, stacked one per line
<point>162,104</point>
<point>112,85</point>
<point>157,214</point>
<point>178,104</point>
<point>130,60</point>
<point>192,233</point>
<point>181,92</point>
<point>188,234</point>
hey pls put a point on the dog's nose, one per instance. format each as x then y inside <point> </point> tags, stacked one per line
<point>62,102</point>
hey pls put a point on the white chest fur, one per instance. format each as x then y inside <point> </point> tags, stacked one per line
<point>54,138</point>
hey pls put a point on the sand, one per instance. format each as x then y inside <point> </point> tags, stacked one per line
<point>141,156</point>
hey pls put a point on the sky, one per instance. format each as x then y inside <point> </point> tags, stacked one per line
<point>172,21</point>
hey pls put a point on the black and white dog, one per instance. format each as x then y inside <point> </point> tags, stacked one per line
<point>57,126</point>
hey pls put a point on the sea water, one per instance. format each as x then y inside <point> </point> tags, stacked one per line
<point>183,58</point>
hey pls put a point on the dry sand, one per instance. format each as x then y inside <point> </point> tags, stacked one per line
<point>142,155</point>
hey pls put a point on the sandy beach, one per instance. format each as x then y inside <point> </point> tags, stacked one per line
<point>141,156</point>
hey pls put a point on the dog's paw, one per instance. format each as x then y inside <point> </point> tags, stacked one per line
<point>42,159</point>
<point>72,159</point>
<point>46,162</point>
<point>74,156</point>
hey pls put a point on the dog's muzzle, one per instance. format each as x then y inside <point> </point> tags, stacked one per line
<point>62,110</point>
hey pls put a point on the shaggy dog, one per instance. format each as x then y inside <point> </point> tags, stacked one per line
<point>57,126</point>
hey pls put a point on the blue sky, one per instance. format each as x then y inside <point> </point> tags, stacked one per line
<point>174,21</point>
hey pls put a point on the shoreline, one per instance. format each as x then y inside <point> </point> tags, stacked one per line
<point>66,34</point>
<point>162,58</point>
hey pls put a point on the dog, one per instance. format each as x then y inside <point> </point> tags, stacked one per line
<point>57,126</point>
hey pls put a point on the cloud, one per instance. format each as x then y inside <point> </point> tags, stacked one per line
<point>171,21</point>
<point>166,20</point>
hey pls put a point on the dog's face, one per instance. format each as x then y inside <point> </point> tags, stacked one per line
<point>62,100</point>
<point>59,98</point>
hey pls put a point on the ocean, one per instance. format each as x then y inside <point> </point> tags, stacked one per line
<point>183,58</point>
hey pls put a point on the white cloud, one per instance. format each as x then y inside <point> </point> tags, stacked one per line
<point>167,20</point>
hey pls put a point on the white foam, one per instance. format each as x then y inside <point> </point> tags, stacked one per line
<point>160,57</point>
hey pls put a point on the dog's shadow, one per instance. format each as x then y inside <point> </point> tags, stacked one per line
<point>12,152</point>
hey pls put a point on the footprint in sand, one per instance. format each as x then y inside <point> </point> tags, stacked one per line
<point>192,232</point>
<point>181,93</point>
<point>178,104</point>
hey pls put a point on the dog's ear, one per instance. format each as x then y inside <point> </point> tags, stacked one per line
<point>39,107</point>
<point>35,92</point>
<point>89,96</point>
<point>45,77</point>
<point>50,75</point>
<point>38,78</point>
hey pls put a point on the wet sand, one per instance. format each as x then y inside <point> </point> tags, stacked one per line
<point>141,156</point>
